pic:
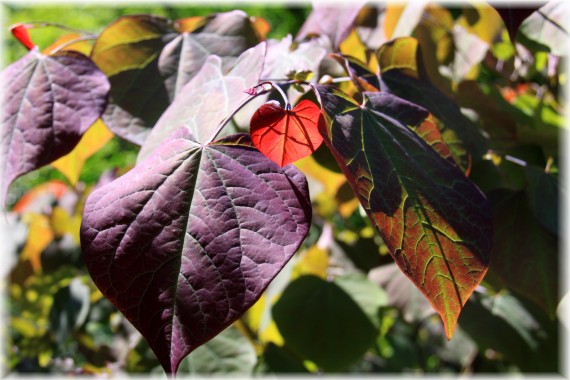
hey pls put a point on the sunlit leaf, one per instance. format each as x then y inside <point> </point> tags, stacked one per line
<point>229,353</point>
<point>202,229</point>
<point>94,139</point>
<point>285,136</point>
<point>401,19</point>
<point>435,222</point>
<point>548,28</point>
<point>66,43</point>
<point>148,62</point>
<point>40,235</point>
<point>335,22</point>
<point>203,104</point>
<point>50,101</point>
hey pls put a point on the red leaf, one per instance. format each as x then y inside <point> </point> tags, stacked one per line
<point>20,31</point>
<point>286,136</point>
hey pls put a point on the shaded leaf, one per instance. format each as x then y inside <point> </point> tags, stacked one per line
<point>508,326</point>
<point>402,294</point>
<point>513,16</point>
<point>94,139</point>
<point>228,353</point>
<point>203,229</point>
<point>359,73</point>
<point>403,78</point>
<point>525,253</point>
<point>52,101</point>
<point>202,104</point>
<point>278,359</point>
<point>148,62</point>
<point>285,136</point>
<point>321,322</point>
<point>542,191</point>
<point>435,222</point>
<point>69,310</point>
<point>335,22</point>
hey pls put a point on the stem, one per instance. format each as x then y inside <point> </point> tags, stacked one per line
<point>283,95</point>
<point>42,24</point>
<point>73,41</point>
<point>239,107</point>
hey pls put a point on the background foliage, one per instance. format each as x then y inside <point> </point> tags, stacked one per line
<point>340,305</point>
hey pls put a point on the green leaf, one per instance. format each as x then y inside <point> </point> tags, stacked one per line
<point>229,353</point>
<point>321,322</point>
<point>69,310</point>
<point>542,192</point>
<point>434,221</point>
<point>505,324</point>
<point>525,254</point>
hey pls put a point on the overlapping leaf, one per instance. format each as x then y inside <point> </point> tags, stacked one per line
<point>335,22</point>
<point>285,136</point>
<point>50,102</point>
<point>148,62</point>
<point>435,222</point>
<point>204,102</point>
<point>404,75</point>
<point>185,242</point>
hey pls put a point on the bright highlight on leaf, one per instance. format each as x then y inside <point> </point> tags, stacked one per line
<point>286,136</point>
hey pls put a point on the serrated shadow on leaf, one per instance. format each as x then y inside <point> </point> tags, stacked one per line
<point>186,242</point>
<point>436,224</point>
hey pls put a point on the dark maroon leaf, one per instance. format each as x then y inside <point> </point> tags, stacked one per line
<point>335,22</point>
<point>187,241</point>
<point>50,102</point>
<point>513,16</point>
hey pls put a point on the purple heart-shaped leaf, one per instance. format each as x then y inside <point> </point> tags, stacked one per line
<point>187,241</point>
<point>49,103</point>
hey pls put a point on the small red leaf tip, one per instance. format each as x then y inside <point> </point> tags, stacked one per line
<point>251,91</point>
<point>20,32</point>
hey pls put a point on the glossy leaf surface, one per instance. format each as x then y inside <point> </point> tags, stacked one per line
<point>436,223</point>
<point>285,136</point>
<point>203,102</point>
<point>186,242</point>
<point>52,101</point>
